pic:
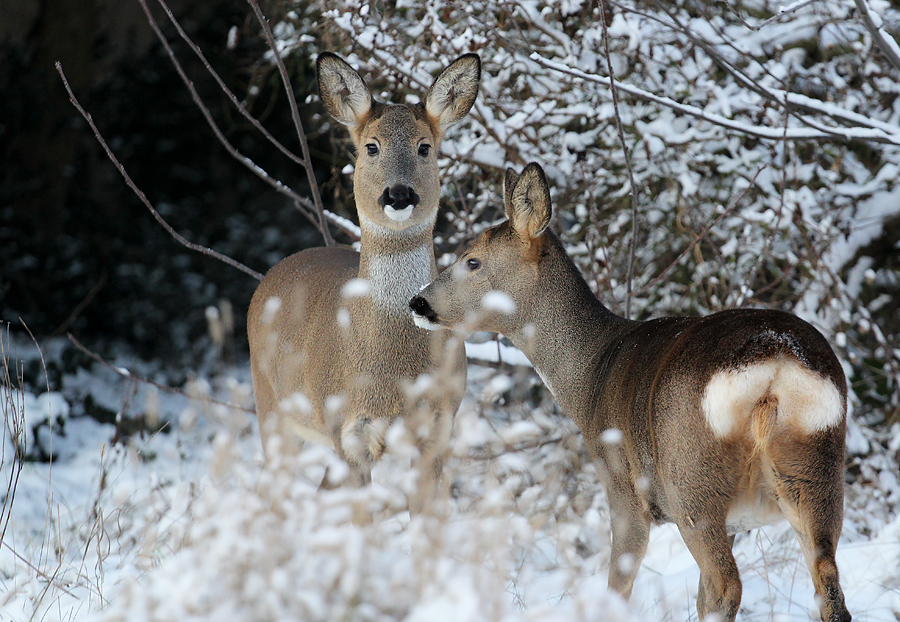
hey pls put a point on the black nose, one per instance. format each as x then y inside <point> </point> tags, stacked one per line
<point>399,197</point>
<point>421,308</point>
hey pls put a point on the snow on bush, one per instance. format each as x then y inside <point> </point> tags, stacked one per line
<point>741,201</point>
<point>272,545</point>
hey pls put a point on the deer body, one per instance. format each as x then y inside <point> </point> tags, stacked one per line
<point>333,350</point>
<point>718,424</point>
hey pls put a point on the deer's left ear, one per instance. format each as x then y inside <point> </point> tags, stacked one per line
<point>528,205</point>
<point>454,91</point>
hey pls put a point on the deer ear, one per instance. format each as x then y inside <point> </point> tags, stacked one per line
<point>345,95</point>
<point>453,93</point>
<point>528,207</point>
<point>509,183</point>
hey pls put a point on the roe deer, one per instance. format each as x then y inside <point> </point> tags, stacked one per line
<point>334,352</point>
<point>717,423</point>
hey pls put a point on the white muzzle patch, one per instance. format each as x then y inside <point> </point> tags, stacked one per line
<point>423,322</point>
<point>398,215</point>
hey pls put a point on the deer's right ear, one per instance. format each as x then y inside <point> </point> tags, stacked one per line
<point>528,206</point>
<point>509,183</point>
<point>345,95</point>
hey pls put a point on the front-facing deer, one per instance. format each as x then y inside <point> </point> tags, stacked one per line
<point>334,354</point>
<point>717,423</point>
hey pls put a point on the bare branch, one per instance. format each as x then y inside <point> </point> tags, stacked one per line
<point>298,124</point>
<point>626,152</point>
<point>124,373</point>
<point>140,194</point>
<point>703,234</point>
<point>262,174</point>
<point>81,306</point>
<point>779,96</point>
<point>224,88</point>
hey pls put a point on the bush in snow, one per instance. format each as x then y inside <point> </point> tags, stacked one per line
<point>276,546</point>
<point>741,200</point>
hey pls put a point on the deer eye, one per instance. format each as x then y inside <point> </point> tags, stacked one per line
<point>473,264</point>
<point>424,150</point>
<point>372,149</point>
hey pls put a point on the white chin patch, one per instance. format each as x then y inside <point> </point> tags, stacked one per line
<point>423,322</point>
<point>398,214</point>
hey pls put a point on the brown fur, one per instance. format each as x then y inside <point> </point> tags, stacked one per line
<point>334,365</point>
<point>653,381</point>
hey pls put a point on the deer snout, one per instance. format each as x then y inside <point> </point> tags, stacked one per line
<point>421,307</point>
<point>398,197</point>
<point>423,315</point>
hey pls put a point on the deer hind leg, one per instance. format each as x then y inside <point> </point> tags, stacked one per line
<point>701,495</point>
<point>630,526</point>
<point>808,479</point>
<point>720,587</point>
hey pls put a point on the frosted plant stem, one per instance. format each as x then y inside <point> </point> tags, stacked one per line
<point>633,187</point>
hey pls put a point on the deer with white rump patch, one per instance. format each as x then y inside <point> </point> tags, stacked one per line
<point>334,354</point>
<point>718,423</point>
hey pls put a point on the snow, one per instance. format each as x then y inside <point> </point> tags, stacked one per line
<point>190,522</point>
<point>498,301</point>
<point>356,288</point>
<point>184,520</point>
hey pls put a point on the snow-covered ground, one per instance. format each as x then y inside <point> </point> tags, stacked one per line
<point>189,524</point>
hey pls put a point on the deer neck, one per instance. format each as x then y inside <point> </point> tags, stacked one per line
<point>397,264</point>
<point>565,330</point>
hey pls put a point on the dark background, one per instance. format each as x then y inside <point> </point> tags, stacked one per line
<point>79,253</point>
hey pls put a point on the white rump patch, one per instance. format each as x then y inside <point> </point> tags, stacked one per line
<point>805,400</point>
<point>400,215</point>
<point>498,301</point>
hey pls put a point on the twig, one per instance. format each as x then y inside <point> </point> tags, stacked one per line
<point>224,88</point>
<point>633,189</point>
<point>81,306</point>
<point>309,212</point>
<point>298,124</point>
<point>14,422</point>
<point>140,194</point>
<point>508,449</point>
<point>40,572</point>
<point>702,235</point>
<point>782,11</point>
<point>124,373</point>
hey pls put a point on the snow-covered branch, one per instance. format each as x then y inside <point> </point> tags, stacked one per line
<point>872,130</point>
<point>882,38</point>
